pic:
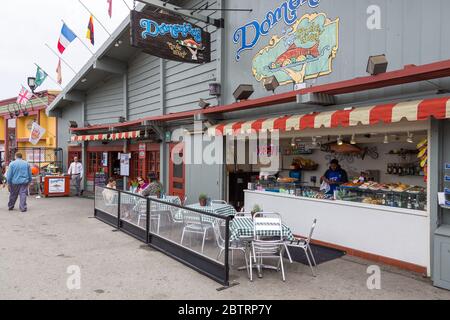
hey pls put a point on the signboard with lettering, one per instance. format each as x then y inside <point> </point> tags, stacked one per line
<point>170,37</point>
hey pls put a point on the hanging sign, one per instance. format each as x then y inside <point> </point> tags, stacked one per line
<point>142,150</point>
<point>170,37</point>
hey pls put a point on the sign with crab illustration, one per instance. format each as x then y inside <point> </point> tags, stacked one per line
<point>305,51</point>
<point>170,37</point>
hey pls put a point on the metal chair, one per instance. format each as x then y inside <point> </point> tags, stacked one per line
<point>267,224</point>
<point>218,202</point>
<point>183,203</point>
<point>218,226</point>
<point>193,223</point>
<point>141,209</point>
<point>305,245</point>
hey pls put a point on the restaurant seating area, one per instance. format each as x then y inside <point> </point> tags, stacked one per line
<point>254,241</point>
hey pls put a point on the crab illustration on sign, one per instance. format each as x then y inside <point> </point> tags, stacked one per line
<point>193,46</point>
<point>304,51</point>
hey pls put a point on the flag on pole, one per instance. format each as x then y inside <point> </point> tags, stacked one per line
<point>36,133</point>
<point>24,96</point>
<point>66,37</point>
<point>90,30</point>
<point>59,73</point>
<point>109,8</point>
<point>41,75</point>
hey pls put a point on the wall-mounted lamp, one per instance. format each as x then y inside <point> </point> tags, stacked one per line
<point>215,89</point>
<point>122,119</point>
<point>203,104</point>
<point>271,83</point>
<point>31,83</point>
<point>377,64</point>
<point>243,92</point>
<point>353,140</point>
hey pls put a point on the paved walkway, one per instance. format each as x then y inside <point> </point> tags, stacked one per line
<point>36,249</point>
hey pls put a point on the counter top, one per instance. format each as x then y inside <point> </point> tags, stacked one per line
<point>344,203</point>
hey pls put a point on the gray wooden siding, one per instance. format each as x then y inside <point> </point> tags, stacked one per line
<point>144,85</point>
<point>104,104</point>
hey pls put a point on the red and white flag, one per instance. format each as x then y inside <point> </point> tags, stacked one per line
<point>24,96</point>
<point>59,73</point>
<point>109,8</point>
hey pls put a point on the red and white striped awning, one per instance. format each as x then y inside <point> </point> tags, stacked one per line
<point>90,137</point>
<point>107,136</point>
<point>125,135</point>
<point>438,108</point>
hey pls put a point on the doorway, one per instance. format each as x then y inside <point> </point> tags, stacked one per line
<point>177,170</point>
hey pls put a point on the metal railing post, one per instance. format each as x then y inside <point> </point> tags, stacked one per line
<point>147,224</point>
<point>227,249</point>
<point>118,208</point>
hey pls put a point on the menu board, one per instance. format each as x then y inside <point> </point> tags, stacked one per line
<point>100,179</point>
<point>125,164</point>
<point>56,185</point>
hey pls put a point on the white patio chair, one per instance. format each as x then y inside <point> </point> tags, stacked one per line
<point>218,202</point>
<point>218,226</point>
<point>194,224</point>
<point>141,210</point>
<point>305,245</point>
<point>269,224</point>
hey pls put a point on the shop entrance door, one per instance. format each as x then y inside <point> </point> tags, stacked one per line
<point>176,170</point>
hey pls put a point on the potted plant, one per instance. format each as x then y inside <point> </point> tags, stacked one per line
<point>203,199</point>
<point>256,209</point>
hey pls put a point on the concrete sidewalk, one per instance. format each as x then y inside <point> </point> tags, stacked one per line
<point>37,247</point>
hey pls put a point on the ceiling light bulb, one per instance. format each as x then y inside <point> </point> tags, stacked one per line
<point>386,139</point>
<point>314,141</point>
<point>339,141</point>
<point>293,144</point>
<point>353,141</point>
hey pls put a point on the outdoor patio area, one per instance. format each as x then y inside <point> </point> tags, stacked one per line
<point>38,247</point>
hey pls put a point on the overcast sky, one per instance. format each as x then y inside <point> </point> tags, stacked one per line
<point>25,27</point>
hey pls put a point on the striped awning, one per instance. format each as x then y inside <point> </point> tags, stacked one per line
<point>438,108</point>
<point>125,135</point>
<point>107,136</point>
<point>90,137</point>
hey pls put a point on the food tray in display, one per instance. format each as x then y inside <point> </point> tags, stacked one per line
<point>415,191</point>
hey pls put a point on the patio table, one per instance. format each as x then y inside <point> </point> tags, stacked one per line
<point>215,208</point>
<point>243,228</point>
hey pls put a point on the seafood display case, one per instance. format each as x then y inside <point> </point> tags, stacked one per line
<point>390,195</point>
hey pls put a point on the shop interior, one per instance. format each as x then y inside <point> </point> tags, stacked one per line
<point>385,167</point>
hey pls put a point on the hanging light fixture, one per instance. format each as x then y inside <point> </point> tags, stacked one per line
<point>353,140</point>
<point>339,141</point>
<point>314,141</point>
<point>293,144</point>
<point>410,138</point>
<point>386,139</point>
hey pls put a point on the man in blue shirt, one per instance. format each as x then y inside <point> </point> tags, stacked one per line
<point>335,176</point>
<point>18,177</point>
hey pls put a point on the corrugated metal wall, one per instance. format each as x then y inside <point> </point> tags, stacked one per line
<point>104,104</point>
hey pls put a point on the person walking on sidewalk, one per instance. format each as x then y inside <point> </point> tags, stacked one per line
<point>18,177</point>
<point>76,174</point>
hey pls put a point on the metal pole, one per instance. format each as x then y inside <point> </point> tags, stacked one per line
<point>90,12</point>
<point>54,52</point>
<point>148,221</point>
<point>84,44</point>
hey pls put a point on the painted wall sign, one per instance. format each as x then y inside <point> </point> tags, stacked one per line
<point>304,51</point>
<point>249,34</point>
<point>170,37</point>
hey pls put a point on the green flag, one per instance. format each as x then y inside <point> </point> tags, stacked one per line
<point>41,75</point>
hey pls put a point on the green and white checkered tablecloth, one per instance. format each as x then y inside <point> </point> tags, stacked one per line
<point>157,206</point>
<point>215,208</point>
<point>243,227</point>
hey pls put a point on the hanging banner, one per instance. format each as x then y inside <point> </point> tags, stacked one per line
<point>36,133</point>
<point>170,37</point>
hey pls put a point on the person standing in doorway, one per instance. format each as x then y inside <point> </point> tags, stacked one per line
<point>18,177</point>
<point>76,175</point>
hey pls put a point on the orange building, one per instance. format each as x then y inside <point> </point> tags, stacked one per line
<point>16,122</point>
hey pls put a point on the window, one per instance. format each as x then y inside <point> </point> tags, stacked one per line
<point>136,165</point>
<point>153,164</point>
<point>94,163</point>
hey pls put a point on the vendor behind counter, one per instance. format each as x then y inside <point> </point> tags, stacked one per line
<point>335,176</point>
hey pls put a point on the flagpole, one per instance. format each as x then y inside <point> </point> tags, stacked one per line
<point>54,52</point>
<point>126,4</point>
<point>51,78</point>
<point>101,24</point>
<point>34,95</point>
<point>84,44</point>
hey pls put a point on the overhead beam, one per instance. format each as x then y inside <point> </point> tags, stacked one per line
<point>110,65</point>
<point>75,96</point>
<point>218,23</point>
<point>155,127</point>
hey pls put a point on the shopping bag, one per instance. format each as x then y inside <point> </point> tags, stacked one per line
<point>325,187</point>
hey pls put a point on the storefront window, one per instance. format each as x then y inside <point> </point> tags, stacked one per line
<point>153,163</point>
<point>94,163</point>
